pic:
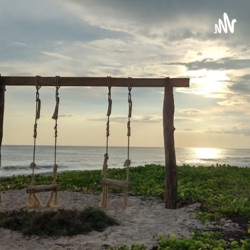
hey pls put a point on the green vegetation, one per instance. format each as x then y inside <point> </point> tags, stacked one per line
<point>56,223</point>
<point>223,191</point>
<point>198,241</point>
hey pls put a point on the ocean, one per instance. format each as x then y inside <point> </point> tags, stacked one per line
<point>16,159</point>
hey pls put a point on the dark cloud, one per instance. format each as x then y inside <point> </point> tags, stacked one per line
<point>245,77</point>
<point>170,20</point>
<point>241,85</point>
<point>225,63</point>
<point>158,10</point>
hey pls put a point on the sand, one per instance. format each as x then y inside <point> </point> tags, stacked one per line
<point>141,222</point>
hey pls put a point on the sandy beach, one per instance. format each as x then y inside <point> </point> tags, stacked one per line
<point>141,222</point>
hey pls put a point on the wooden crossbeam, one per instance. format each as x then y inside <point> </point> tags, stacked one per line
<point>42,188</point>
<point>93,81</point>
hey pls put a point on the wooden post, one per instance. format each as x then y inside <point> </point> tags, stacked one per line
<point>2,90</point>
<point>170,160</point>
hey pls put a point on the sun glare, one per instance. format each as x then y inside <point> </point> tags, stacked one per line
<point>207,153</point>
<point>209,83</point>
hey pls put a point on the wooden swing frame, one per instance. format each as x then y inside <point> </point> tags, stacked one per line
<point>168,112</point>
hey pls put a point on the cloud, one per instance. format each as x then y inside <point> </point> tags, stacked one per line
<point>245,78</point>
<point>163,21</point>
<point>134,119</point>
<point>240,87</point>
<point>65,115</point>
<point>56,55</point>
<point>193,112</point>
<point>18,44</point>
<point>227,63</point>
<point>241,129</point>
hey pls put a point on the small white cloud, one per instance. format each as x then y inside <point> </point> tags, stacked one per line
<point>17,44</point>
<point>57,55</point>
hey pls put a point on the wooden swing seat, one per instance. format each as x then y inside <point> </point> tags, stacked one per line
<point>42,188</point>
<point>115,183</point>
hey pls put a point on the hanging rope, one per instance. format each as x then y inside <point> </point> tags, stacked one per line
<point>2,95</point>
<point>106,155</point>
<point>112,182</point>
<point>33,200</point>
<point>37,116</point>
<point>55,117</point>
<point>128,161</point>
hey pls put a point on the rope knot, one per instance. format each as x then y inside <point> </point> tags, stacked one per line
<point>32,165</point>
<point>127,163</point>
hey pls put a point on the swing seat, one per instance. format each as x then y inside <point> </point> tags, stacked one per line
<point>42,188</point>
<point>115,183</point>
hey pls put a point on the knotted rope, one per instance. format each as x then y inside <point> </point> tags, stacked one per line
<point>2,94</point>
<point>55,117</point>
<point>128,161</point>
<point>37,116</point>
<point>33,199</point>
<point>106,155</point>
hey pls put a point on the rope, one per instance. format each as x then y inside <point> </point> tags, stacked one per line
<point>55,117</point>
<point>106,155</point>
<point>2,96</point>
<point>128,161</point>
<point>37,116</point>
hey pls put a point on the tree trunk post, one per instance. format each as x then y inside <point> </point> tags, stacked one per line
<point>2,90</point>
<point>170,159</point>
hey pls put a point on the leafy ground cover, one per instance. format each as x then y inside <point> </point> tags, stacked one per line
<point>198,241</point>
<point>223,191</point>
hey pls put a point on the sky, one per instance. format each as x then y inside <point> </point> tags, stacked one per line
<point>139,38</point>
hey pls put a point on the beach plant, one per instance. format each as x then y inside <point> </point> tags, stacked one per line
<point>56,223</point>
<point>222,190</point>
<point>132,247</point>
<point>200,241</point>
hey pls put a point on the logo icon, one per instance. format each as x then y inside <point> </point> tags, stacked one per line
<point>225,25</point>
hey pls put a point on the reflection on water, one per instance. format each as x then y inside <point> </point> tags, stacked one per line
<point>16,159</point>
<point>211,156</point>
<point>207,153</point>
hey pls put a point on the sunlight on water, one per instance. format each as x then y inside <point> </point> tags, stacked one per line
<point>207,153</point>
<point>16,159</point>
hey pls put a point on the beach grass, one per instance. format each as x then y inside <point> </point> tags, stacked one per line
<point>223,192</point>
<point>56,223</point>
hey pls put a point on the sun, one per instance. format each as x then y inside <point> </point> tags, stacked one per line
<point>209,83</point>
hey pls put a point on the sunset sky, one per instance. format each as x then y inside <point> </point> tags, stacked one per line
<point>139,38</point>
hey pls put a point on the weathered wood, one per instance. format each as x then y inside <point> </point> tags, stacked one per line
<point>93,81</point>
<point>2,92</point>
<point>42,188</point>
<point>170,160</point>
<point>168,118</point>
<point>115,183</point>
